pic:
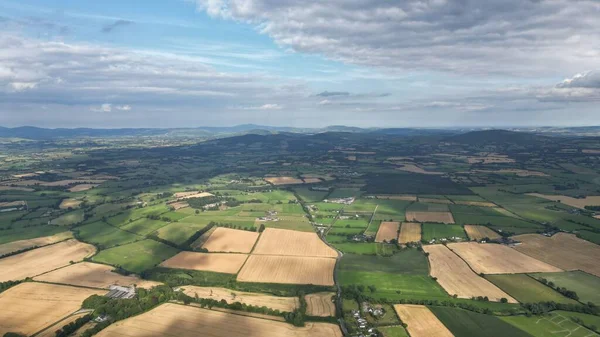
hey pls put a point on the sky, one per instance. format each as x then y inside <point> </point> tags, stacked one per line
<point>302,63</point>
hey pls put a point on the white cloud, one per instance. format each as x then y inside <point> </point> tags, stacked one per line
<point>106,107</point>
<point>123,107</point>
<point>589,79</point>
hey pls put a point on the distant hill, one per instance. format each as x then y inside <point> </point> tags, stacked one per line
<point>496,136</point>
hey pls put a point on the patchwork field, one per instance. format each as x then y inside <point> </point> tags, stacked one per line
<point>455,276</point>
<point>284,181</point>
<point>410,232</point>
<point>441,217</point>
<point>15,246</point>
<point>82,187</point>
<point>187,321</point>
<point>463,323</point>
<point>438,232</point>
<point>498,259</point>
<point>287,304</point>
<point>585,285</point>
<point>552,324</point>
<point>527,290</point>
<point>30,307</point>
<point>41,260</point>
<point>137,256</point>
<point>562,250</point>
<point>288,270</point>
<point>93,275</point>
<point>320,304</point>
<point>421,322</point>
<point>275,241</point>
<point>480,232</point>
<point>575,202</point>
<point>215,262</point>
<point>387,232</point>
<point>231,241</point>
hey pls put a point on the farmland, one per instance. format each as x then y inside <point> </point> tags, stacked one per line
<point>527,290</point>
<point>410,232</point>
<point>421,321</point>
<point>439,217</point>
<point>230,241</point>
<point>29,243</point>
<point>291,243</point>
<point>549,325</point>
<point>463,323</point>
<point>288,270</point>
<point>583,284</point>
<point>218,263</point>
<point>284,304</point>
<point>136,257</point>
<point>320,304</point>
<point>438,232</point>
<point>480,232</point>
<point>387,232</point>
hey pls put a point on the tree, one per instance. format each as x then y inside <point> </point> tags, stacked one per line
<point>261,228</point>
<point>197,211</point>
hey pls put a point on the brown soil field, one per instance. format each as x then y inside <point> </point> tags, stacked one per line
<point>490,258</point>
<point>421,322</point>
<point>42,260</point>
<point>574,202</point>
<point>320,305</point>
<point>178,195</point>
<point>476,203</point>
<point>288,304</point>
<point>284,180</point>
<point>30,307</point>
<point>415,169</point>
<point>441,217</point>
<point>219,263</point>
<point>288,270</point>
<point>410,232</point>
<point>189,195</point>
<point>275,241</point>
<point>51,330</point>
<point>13,188</point>
<point>387,232</point>
<point>435,201</point>
<point>93,275</point>
<point>188,321</point>
<point>562,250</point>
<point>231,241</point>
<point>82,187</point>
<point>476,232</point>
<point>455,276</point>
<point>311,180</point>
<point>179,205</point>
<point>398,197</point>
<point>37,242</point>
<point>66,203</point>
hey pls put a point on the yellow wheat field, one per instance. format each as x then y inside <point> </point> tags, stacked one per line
<point>219,263</point>
<point>387,232</point>
<point>476,232</point>
<point>410,232</point>
<point>441,217</point>
<point>37,242</point>
<point>288,270</point>
<point>284,181</point>
<point>320,304</point>
<point>69,203</point>
<point>455,276</point>
<point>275,241</point>
<point>42,260</point>
<point>230,241</point>
<point>288,304</point>
<point>421,321</point>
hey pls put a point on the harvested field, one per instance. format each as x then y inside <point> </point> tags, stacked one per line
<point>42,260</point>
<point>489,258</point>
<point>30,307</point>
<point>415,169</point>
<point>387,232</point>
<point>410,232</point>
<point>288,304</point>
<point>288,270</point>
<point>284,180</point>
<point>82,187</point>
<point>179,205</point>
<point>574,202</point>
<point>398,197</point>
<point>311,180</point>
<point>14,188</point>
<point>421,321</point>
<point>178,195</point>
<point>93,275</point>
<point>476,232</point>
<point>219,263</point>
<point>231,241</point>
<point>320,305</point>
<point>51,330</point>
<point>69,203</point>
<point>440,217</point>
<point>475,203</point>
<point>562,250</point>
<point>455,276</point>
<point>275,241</point>
<point>203,238</point>
<point>14,246</point>
<point>190,195</point>
<point>188,321</point>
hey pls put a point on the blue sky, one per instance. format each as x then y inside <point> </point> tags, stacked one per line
<point>289,62</point>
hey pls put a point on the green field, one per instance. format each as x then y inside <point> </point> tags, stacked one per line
<point>70,218</point>
<point>407,261</point>
<point>143,226</point>
<point>552,324</point>
<point>104,235</point>
<point>585,285</point>
<point>526,289</point>
<point>308,195</point>
<point>179,232</point>
<point>11,235</point>
<point>393,331</point>
<point>138,256</point>
<point>463,323</point>
<point>432,231</point>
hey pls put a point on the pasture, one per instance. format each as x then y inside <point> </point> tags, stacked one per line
<point>137,256</point>
<point>214,262</point>
<point>288,270</point>
<point>552,324</point>
<point>585,285</point>
<point>527,290</point>
<point>463,323</point>
<point>421,322</point>
<point>436,231</point>
<point>231,241</point>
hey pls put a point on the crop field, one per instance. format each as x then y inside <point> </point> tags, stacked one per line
<point>51,330</point>
<point>455,276</point>
<point>137,256</point>
<point>320,304</point>
<point>82,187</point>
<point>41,260</point>
<point>575,202</point>
<point>284,181</point>
<point>231,241</point>
<point>421,322</point>
<point>190,195</point>
<point>69,218</point>
<point>584,284</point>
<point>30,307</point>
<point>387,232</point>
<point>179,232</point>
<point>562,250</point>
<point>215,262</point>
<point>188,321</point>
<point>410,232</point>
<point>309,195</point>
<point>30,243</point>
<point>105,235</point>
<point>439,217</point>
<point>437,232</point>
<point>69,203</point>
<point>143,226</point>
<point>527,290</point>
<point>93,275</point>
<point>552,324</point>
<point>288,270</point>
<point>292,243</point>
<point>284,304</point>
<point>463,323</point>
<point>16,234</point>
<point>481,232</point>
<point>429,205</point>
<point>498,259</point>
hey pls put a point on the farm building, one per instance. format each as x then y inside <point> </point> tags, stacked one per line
<point>120,292</point>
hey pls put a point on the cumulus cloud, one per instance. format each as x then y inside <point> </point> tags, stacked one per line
<point>590,79</point>
<point>118,23</point>
<point>516,37</point>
